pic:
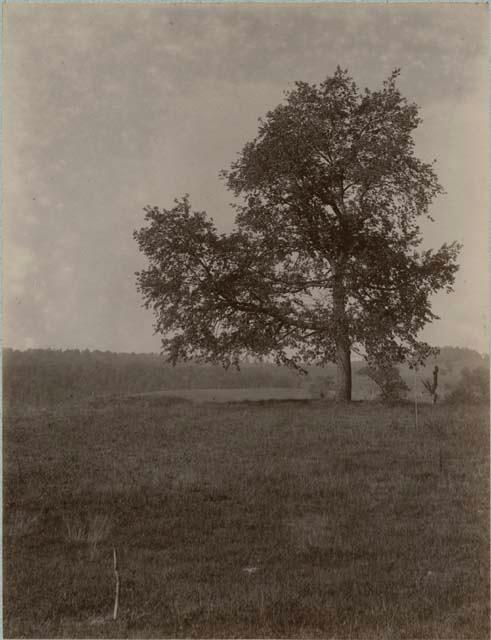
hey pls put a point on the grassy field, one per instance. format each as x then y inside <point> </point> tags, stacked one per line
<point>242,520</point>
<point>231,395</point>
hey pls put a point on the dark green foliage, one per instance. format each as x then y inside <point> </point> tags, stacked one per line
<point>473,387</point>
<point>388,380</point>
<point>326,256</point>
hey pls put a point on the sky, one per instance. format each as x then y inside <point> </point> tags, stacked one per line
<point>108,108</point>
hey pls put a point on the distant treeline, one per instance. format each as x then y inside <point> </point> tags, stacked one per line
<point>47,376</point>
<point>451,361</point>
<point>38,376</point>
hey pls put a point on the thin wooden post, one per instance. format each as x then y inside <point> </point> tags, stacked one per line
<point>116,576</point>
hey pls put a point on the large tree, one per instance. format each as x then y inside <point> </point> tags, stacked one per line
<point>325,258</point>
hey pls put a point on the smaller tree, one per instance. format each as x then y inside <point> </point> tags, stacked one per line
<point>388,379</point>
<point>431,386</point>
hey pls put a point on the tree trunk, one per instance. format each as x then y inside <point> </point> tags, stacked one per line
<point>343,343</point>
<point>343,362</point>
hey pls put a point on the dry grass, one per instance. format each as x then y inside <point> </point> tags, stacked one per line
<point>279,520</point>
<point>311,531</point>
<point>91,530</point>
<point>21,523</point>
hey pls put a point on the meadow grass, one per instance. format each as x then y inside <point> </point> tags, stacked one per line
<point>231,395</point>
<point>243,520</point>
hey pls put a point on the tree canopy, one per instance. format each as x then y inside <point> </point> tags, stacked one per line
<point>326,256</point>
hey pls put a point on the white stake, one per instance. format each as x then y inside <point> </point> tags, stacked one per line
<point>116,575</point>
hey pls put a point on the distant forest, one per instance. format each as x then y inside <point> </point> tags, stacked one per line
<point>50,376</point>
